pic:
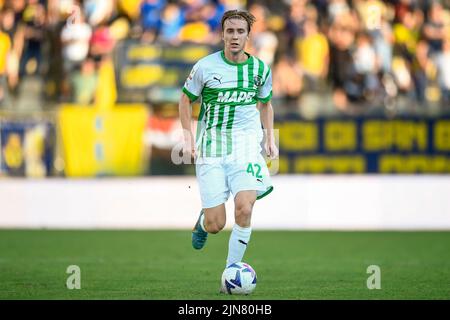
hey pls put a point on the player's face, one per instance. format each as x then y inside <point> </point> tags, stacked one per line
<point>235,35</point>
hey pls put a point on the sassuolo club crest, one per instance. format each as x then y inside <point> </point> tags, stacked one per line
<point>257,80</point>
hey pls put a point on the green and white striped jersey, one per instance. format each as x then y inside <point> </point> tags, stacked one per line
<point>229,93</point>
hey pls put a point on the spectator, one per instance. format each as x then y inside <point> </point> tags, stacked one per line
<point>313,54</point>
<point>405,58</point>
<point>5,50</point>
<point>371,13</point>
<point>295,22</point>
<point>383,44</point>
<point>34,18</point>
<point>233,4</point>
<point>337,8</point>
<point>10,28</point>
<point>75,37</point>
<point>84,83</point>
<point>150,18</point>
<point>119,28</point>
<point>263,42</point>
<point>420,64</point>
<point>172,21</point>
<point>366,66</point>
<point>341,72</point>
<point>192,9</point>
<point>406,34</point>
<point>443,67</point>
<point>212,13</point>
<point>287,80</point>
<point>403,6</point>
<point>131,8</point>
<point>102,42</point>
<point>195,31</point>
<point>375,16</point>
<point>18,7</point>
<point>434,27</point>
<point>8,23</point>
<point>98,11</point>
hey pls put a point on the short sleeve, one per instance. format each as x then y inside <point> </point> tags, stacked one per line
<point>265,91</point>
<point>194,83</point>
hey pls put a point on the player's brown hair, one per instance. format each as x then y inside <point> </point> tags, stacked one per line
<point>239,14</point>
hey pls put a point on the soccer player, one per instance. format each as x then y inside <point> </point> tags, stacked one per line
<point>235,90</point>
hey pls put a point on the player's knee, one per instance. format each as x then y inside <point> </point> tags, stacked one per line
<point>215,219</point>
<point>244,211</point>
<point>215,227</point>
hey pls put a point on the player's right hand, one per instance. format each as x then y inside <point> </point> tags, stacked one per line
<point>189,147</point>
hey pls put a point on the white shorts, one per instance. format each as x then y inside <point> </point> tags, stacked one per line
<point>217,178</point>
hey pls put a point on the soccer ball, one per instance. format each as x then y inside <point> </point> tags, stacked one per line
<point>238,278</point>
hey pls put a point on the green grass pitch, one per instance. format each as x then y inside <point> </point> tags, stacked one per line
<point>163,265</point>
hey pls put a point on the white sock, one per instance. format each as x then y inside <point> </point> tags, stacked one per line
<point>202,222</point>
<point>238,243</point>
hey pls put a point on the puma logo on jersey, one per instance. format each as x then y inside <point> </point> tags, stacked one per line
<point>235,96</point>
<point>218,79</point>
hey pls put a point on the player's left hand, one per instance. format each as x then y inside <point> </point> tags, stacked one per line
<point>271,150</point>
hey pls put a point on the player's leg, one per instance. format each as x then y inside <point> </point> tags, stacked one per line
<point>241,232</point>
<point>214,219</point>
<point>214,193</point>
<point>211,220</point>
<point>248,182</point>
<point>243,204</point>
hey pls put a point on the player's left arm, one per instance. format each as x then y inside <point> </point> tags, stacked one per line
<point>266,114</point>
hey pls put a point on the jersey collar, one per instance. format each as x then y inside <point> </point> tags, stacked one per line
<point>222,53</point>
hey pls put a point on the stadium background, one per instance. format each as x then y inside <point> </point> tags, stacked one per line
<point>88,117</point>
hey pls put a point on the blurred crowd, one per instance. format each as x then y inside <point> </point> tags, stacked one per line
<point>359,52</point>
<point>367,52</point>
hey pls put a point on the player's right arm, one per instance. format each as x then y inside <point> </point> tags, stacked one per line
<point>191,91</point>
<point>184,108</point>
